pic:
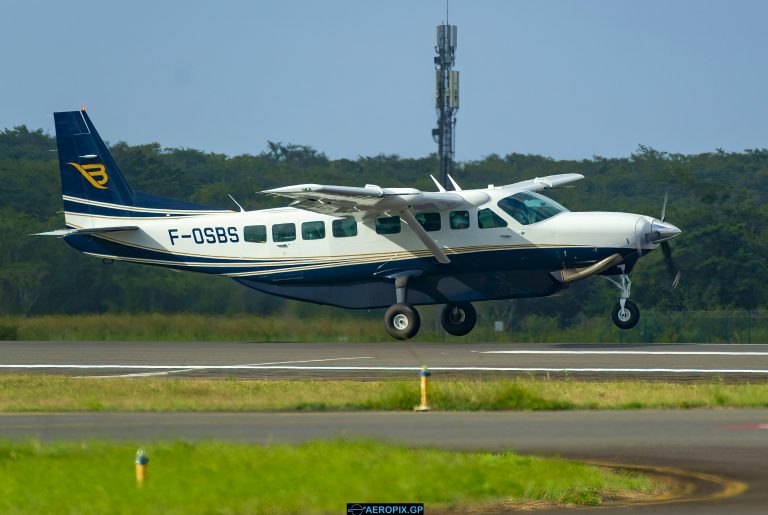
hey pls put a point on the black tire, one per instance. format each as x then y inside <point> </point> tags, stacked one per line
<point>402,321</point>
<point>458,319</point>
<point>627,319</point>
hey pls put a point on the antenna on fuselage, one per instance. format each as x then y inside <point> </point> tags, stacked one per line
<point>454,183</point>
<point>439,186</point>
<point>236,203</point>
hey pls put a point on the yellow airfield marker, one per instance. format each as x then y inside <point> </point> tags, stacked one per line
<point>424,406</point>
<point>142,461</point>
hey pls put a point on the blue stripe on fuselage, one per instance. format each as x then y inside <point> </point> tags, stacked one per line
<point>528,258</point>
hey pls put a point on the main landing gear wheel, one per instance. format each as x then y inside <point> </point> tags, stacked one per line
<point>402,321</point>
<point>626,317</point>
<point>458,319</point>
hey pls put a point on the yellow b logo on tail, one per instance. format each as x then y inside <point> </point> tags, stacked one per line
<point>95,174</point>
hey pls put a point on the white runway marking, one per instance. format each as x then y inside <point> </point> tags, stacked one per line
<point>392,368</point>
<point>177,371</point>
<point>625,352</point>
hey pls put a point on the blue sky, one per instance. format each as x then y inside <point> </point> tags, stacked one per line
<point>566,79</point>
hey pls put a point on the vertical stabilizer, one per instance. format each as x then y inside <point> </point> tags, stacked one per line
<point>94,190</point>
<point>89,175</point>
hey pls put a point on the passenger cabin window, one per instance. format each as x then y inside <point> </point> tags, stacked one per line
<point>388,225</point>
<point>255,233</point>
<point>283,232</point>
<point>344,228</point>
<point>312,230</point>
<point>459,219</point>
<point>487,219</point>
<point>528,208</point>
<point>429,221</point>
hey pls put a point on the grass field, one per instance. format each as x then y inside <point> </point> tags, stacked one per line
<point>712,327</point>
<point>20,393</point>
<point>317,477</point>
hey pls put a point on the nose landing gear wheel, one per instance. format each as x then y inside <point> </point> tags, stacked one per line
<point>402,321</point>
<point>626,318</point>
<point>458,319</point>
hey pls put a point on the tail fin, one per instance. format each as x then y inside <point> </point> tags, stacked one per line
<point>94,189</point>
<point>88,172</point>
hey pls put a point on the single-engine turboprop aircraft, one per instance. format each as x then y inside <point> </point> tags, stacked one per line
<point>368,247</point>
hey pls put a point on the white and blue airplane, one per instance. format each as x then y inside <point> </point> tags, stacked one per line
<point>368,247</point>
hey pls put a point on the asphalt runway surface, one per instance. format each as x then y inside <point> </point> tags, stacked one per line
<point>677,362</point>
<point>723,453</point>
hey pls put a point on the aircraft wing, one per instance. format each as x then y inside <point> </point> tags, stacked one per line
<point>365,203</point>
<point>372,201</point>
<point>543,183</point>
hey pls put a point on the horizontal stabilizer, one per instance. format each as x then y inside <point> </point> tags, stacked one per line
<point>94,230</point>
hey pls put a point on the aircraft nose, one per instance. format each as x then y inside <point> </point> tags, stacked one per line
<point>662,231</point>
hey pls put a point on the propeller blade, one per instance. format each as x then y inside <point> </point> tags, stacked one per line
<point>671,267</point>
<point>664,206</point>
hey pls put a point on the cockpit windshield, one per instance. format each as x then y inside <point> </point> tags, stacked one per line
<point>528,208</point>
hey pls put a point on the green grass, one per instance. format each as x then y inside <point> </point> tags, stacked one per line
<point>20,393</point>
<point>317,477</point>
<point>740,327</point>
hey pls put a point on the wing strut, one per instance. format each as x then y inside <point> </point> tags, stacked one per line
<point>416,227</point>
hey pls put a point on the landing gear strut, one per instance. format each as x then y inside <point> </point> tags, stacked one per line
<point>401,320</point>
<point>458,318</point>
<point>625,313</point>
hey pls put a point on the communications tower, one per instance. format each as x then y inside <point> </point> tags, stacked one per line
<point>446,98</point>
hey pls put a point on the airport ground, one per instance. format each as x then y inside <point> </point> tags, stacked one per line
<point>284,360</point>
<point>719,453</point>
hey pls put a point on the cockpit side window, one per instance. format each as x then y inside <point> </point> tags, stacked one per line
<point>528,208</point>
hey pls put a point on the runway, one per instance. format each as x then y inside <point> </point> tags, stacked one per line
<point>676,362</point>
<point>729,444</point>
